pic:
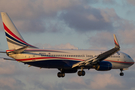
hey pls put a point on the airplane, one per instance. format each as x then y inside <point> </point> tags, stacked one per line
<point>66,61</point>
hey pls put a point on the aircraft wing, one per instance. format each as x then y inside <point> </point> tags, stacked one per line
<point>2,51</point>
<point>100,57</point>
<point>11,59</point>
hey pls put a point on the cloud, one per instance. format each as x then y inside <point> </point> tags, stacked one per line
<point>61,46</point>
<point>102,40</point>
<point>125,33</point>
<point>131,2</point>
<point>6,67</point>
<point>102,81</point>
<point>109,2</point>
<point>78,80</point>
<point>8,83</point>
<point>94,82</point>
<point>33,16</point>
<point>127,38</point>
<point>7,72</point>
<point>31,13</point>
<point>86,18</point>
<point>33,8</point>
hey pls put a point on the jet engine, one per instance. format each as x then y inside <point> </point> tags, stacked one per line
<point>103,66</point>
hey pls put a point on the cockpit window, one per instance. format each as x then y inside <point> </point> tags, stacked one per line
<point>128,56</point>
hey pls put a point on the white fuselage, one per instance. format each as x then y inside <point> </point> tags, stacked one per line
<point>118,60</point>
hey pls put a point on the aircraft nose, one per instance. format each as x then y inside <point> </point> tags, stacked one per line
<point>131,61</point>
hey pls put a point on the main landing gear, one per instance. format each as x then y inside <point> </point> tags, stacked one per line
<point>65,70</point>
<point>121,73</point>
<point>60,74</point>
<point>82,72</point>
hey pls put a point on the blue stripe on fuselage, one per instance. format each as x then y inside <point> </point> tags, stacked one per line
<point>53,63</point>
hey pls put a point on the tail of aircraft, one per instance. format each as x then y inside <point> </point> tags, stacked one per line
<point>14,38</point>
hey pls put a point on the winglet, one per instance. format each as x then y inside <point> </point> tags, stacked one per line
<point>116,41</point>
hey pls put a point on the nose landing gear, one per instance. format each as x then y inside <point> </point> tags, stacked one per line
<point>121,73</point>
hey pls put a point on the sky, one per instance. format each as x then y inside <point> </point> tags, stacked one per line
<point>69,24</point>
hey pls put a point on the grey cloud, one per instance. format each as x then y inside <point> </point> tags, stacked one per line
<point>132,2</point>
<point>48,86</point>
<point>77,17</point>
<point>102,41</point>
<point>61,46</point>
<point>9,83</point>
<point>34,25</point>
<point>98,1</point>
<point>109,2</point>
<point>32,15</point>
<point>90,1</point>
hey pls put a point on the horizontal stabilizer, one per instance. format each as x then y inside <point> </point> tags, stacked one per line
<point>17,51</point>
<point>11,59</point>
<point>2,52</point>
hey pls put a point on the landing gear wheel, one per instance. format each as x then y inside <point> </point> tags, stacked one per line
<point>121,74</point>
<point>60,74</point>
<point>63,74</point>
<point>81,73</point>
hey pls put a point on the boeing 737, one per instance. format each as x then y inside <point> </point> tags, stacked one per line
<point>66,61</point>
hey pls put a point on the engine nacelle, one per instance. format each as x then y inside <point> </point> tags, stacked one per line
<point>103,66</point>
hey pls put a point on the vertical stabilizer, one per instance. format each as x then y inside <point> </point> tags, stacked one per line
<point>14,38</point>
